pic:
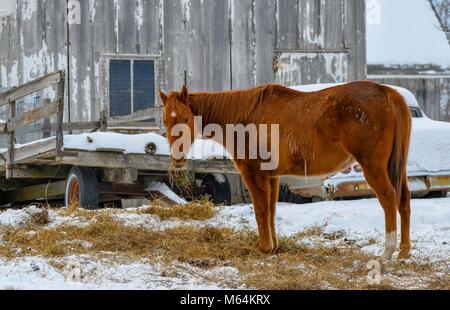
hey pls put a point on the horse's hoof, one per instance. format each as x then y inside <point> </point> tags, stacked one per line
<point>266,249</point>
<point>274,250</point>
<point>275,247</point>
<point>387,255</point>
<point>404,254</point>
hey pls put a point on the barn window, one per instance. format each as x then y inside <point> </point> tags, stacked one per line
<point>131,86</point>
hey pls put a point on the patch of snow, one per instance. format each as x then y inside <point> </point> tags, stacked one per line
<point>130,144</point>
<point>17,218</point>
<point>207,149</point>
<point>220,178</point>
<point>430,146</point>
<point>136,144</point>
<point>84,272</point>
<point>360,219</point>
<point>166,191</point>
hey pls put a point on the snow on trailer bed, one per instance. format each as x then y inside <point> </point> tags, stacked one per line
<point>115,150</point>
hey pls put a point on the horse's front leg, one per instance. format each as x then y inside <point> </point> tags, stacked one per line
<point>259,187</point>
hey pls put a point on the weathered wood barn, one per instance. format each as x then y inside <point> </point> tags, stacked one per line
<point>117,53</point>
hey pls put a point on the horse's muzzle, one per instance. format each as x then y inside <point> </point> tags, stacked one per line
<point>179,163</point>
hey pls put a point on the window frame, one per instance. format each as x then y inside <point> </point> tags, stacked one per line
<point>416,110</point>
<point>144,114</point>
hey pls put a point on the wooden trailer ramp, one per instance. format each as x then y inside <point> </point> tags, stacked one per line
<point>42,170</point>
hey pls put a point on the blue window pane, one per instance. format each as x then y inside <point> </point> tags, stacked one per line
<point>144,84</point>
<point>120,87</point>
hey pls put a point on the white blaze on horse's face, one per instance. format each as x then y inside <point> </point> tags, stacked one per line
<point>179,121</point>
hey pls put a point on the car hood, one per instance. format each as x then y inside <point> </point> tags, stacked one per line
<point>430,147</point>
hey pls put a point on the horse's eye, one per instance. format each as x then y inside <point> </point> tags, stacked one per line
<point>186,119</point>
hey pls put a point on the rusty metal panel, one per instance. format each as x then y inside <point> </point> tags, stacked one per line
<point>440,182</point>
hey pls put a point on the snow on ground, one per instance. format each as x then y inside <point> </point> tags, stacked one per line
<point>17,217</point>
<point>359,220</point>
<point>37,273</point>
<point>164,189</point>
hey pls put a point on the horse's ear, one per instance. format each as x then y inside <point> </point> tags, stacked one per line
<point>163,96</point>
<point>184,94</point>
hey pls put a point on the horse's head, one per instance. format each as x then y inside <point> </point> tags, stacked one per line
<point>179,121</point>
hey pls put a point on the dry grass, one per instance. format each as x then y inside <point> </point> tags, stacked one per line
<point>341,265</point>
<point>181,179</point>
<point>198,210</point>
<point>39,219</point>
<point>295,266</point>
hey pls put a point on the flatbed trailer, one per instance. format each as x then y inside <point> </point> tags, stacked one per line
<point>45,170</point>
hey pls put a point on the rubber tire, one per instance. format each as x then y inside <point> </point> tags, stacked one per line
<point>89,192</point>
<point>220,192</point>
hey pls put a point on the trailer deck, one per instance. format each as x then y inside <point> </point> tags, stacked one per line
<point>46,169</point>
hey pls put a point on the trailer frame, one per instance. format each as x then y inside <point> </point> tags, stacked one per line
<point>39,171</point>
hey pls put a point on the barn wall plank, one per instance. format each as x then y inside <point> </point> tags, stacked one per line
<point>265,24</point>
<point>243,52</point>
<point>174,44</point>
<point>195,37</point>
<point>288,34</point>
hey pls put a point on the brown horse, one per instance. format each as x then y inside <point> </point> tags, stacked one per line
<point>321,133</point>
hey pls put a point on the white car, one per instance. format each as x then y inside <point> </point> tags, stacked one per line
<point>428,163</point>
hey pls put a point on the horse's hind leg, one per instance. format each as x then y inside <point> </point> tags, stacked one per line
<point>274,192</point>
<point>405,214</point>
<point>378,178</point>
<point>259,187</point>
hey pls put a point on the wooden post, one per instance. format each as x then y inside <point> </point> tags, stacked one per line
<point>11,142</point>
<point>103,121</point>
<point>60,115</point>
<point>47,126</point>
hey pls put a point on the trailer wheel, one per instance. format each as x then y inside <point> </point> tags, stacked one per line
<point>82,188</point>
<point>219,190</point>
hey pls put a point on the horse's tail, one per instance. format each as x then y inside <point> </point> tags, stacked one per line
<point>399,155</point>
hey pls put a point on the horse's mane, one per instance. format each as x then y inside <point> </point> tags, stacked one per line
<point>232,107</point>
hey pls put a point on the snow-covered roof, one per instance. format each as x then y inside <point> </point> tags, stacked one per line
<point>405,32</point>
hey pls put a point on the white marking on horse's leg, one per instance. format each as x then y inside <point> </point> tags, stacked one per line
<point>306,172</point>
<point>391,245</point>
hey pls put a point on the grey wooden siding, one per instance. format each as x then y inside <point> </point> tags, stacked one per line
<point>210,44</point>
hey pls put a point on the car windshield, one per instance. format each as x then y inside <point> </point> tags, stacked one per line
<point>416,112</point>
